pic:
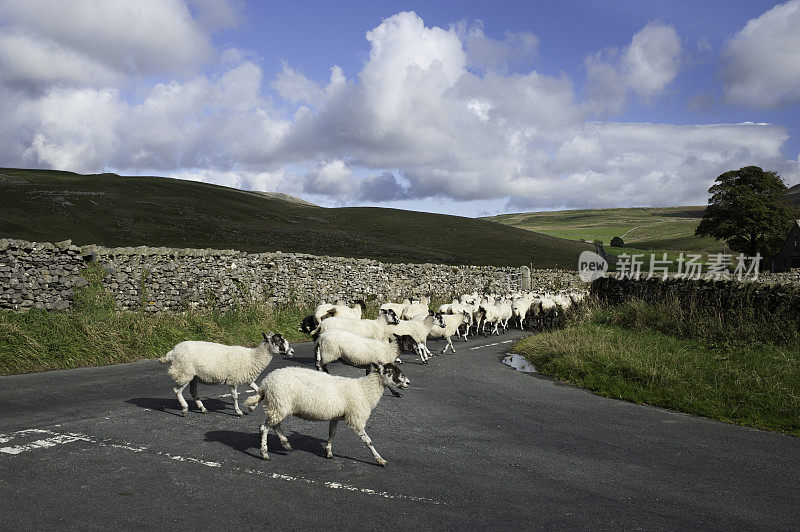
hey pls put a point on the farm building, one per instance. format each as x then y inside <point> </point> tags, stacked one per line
<point>789,255</point>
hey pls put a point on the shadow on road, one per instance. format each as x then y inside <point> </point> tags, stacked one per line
<point>171,406</point>
<point>250,442</point>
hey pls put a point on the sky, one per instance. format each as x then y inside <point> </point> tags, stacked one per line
<point>460,107</point>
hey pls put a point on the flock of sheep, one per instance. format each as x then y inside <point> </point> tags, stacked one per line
<point>375,345</point>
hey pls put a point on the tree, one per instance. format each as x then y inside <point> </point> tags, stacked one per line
<point>617,242</point>
<point>747,211</point>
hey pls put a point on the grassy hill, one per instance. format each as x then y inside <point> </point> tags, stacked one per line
<point>112,210</point>
<point>660,229</point>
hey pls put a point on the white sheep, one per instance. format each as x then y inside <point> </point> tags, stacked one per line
<point>317,396</point>
<point>355,350</point>
<point>415,309</point>
<point>216,364</point>
<point>343,311</point>
<point>520,308</point>
<point>418,330</point>
<point>397,308</point>
<point>367,328</point>
<point>452,323</point>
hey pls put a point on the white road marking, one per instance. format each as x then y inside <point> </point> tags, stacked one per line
<point>56,439</point>
<point>508,341</point>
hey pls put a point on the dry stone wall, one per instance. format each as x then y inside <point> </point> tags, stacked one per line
<point>782,293</point>
<point>44,275</point>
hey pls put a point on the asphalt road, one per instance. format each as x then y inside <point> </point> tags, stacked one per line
<point>473,444</point>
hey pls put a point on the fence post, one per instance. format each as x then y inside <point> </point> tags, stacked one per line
<point>524,278</point>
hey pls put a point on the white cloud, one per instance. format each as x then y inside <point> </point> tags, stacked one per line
<point>487,54</point>
<point>141,37</point>
<point>761,61</point>
<point>646,66</point>
<point>420,122</point>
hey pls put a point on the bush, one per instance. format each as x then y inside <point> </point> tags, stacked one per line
<point>617,242</point>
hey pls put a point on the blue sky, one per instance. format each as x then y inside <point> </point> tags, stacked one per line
<point>464,107</point>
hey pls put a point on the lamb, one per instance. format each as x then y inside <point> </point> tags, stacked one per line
<point>318,396</point>
<point>452,323</point>
<point>367,328</point>
<point>419,330</point>
<point>355,350</point>
<point>210,363</point>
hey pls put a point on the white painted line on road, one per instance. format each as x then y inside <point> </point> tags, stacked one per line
<point>496,343</point>
<point>337,486</point>
<point>56,439</point>
<point>508,341</point>
<point>476,347</point>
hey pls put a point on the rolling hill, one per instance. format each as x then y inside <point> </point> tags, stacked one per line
<point>652,229</point>
<point>113,210</point>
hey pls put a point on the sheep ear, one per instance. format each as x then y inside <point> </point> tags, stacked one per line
<point>396,335</point>
<point>374,367</point>
<point>264,335</point>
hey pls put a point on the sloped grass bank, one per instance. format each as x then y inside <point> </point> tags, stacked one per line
<point>740,369</point>
<point>93,333</point>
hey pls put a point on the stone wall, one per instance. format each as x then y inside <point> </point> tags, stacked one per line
<point>717,294</point>
<point>45,275</point>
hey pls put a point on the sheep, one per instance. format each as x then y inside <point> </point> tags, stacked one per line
<point>366,328</point>
<point>318,396</point>
<point>398,308</point>
<point>548,310</point>
<point>308,324</point>
<point>210,363</point>
<point>505,312</point>
<point>321,312</point>
<point>419,330</point>
<point>355,350</point>
<point>520,307</point>
<point>343,311</point>
<point>415,309</point>
<point>452,322</point>
<point>489,313</point>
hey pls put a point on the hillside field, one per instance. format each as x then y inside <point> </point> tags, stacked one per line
<point>113,210</point>
<point>651,230</point>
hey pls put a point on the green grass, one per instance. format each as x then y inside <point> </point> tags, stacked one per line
<point>735,367</point>
<point>650,229</point>
<point>112,210</point>
<point>94,334</point>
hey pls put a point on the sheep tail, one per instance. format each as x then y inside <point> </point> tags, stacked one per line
<point>253,400</point>
<point>166,359</point>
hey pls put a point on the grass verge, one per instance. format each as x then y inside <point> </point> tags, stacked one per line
<point>701,362</point>
<point>93,333</point>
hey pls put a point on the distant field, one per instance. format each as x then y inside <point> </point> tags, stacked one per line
<point>655,230</point>
<point>112,210</point>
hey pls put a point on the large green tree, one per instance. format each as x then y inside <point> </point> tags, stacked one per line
<point>746,210</point>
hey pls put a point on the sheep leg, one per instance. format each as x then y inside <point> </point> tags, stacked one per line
<point>254,386</point>
<point>178,390</point>
<point>448,344</point>
<point>317,359</point>
<point>281,436</point>
<point>263,430</point>
<point>196,396</point>
<point>363,435</point>
<point>331,432</point>
<point>235,394</point>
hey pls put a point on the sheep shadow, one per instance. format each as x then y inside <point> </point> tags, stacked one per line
<point>249,443</point>
<point>171,405</point>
